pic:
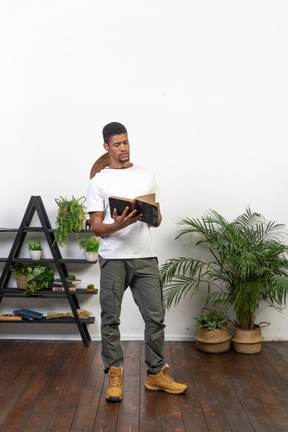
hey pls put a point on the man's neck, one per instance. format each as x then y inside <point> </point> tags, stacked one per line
<point>124,165</point>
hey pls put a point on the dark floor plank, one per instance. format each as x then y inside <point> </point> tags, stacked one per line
<point>149,401</point>
<point>170,408</point>
<point>89,401</point>
<point>227,396</point>
<point>273,379</point>
<point>68,403</point>
<point>19,416</point>
<point>274,409</point>
<point>128,417</point>
<point>211,405</point>
<point>193,417</point>
<point>249,399</point>
<point>271,353</point>
<point>34,359</point>
<point>43,410</point>
<point>16,353</point>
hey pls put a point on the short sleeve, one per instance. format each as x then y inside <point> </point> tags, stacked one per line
<point>95,200</point>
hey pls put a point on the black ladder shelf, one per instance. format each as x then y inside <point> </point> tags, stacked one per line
<point>36,205</point>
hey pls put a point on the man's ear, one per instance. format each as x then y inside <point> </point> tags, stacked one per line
<point>106,146</point>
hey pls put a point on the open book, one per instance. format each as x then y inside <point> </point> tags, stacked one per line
<point>144,204</point>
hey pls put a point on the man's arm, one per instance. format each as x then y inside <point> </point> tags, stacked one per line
<point>103,230</point>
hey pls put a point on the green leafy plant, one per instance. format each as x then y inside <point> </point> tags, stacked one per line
<point>19,269</point>
<point>70,218</point>
<point>89,244</point>
<point>34,245</point>
<point>38,277</point>
<point>212,320</point>
<point>246,268</point>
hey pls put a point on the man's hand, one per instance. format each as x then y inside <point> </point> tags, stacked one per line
<point>101,229</point>
<point>123,220</point>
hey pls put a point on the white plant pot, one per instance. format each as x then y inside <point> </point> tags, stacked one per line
<point>91,256</point>
<point>35,254</point>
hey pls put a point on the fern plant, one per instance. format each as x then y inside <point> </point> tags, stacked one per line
<point>247,266</point>
<point>70,218</point>
<point>89,244</point>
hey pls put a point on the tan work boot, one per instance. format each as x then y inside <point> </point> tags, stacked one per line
<point>162,381</point>
<point>115,384</point>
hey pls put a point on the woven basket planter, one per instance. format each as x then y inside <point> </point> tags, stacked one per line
<point>21,282</point>
<point>247,341</point>
<point>213,341</point>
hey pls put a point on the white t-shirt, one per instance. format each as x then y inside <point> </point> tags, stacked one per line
<point>133,241</point>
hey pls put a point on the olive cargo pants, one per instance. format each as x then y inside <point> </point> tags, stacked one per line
<point>142,275</point>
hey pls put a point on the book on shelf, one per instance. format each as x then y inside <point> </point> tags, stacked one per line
<point>69,282</point>
<point>10,317</point>
<point>28,314</point>
<point>144,204</point>
<point>61,288</point>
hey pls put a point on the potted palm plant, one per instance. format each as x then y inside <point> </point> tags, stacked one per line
<point>246,269</point>
<point>90,246</point>
<point>70,218</point>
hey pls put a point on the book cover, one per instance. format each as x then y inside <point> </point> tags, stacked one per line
<point>69,281</point>
<point>61,288</point>
<point>144,204</point>
<point>10,317</point>
<point>28,314</point>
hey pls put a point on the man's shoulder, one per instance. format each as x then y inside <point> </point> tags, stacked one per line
<point>142,170</point>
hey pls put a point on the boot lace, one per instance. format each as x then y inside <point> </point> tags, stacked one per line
<point>115,380</point>
<point>167,378</point>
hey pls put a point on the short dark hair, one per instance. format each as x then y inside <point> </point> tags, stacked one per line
<point>112,129</point>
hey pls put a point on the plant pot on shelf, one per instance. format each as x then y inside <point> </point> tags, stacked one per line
<point>35,254</point>
<point>213,341</point>
<point>248,341</point>
<point>91,256</point>
<point>21,282</point>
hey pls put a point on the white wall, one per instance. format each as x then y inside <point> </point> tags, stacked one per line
<point>202,88</point>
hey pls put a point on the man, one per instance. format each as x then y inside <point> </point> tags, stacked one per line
<point>127,258</point>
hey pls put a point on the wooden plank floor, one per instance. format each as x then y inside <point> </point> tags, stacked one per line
<point>59,386</point>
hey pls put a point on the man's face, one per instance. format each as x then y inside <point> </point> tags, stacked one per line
<point>118,148</point>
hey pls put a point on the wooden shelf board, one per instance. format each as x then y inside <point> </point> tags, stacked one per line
<point>66,320</point>
<point>15,292</point>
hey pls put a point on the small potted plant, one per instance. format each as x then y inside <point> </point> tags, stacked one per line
<point>213,335</point>
<point>90,246</point>
<point>35,249</point>
<point>32,278</point>
<point>20,272</point>
<point>70,218</point>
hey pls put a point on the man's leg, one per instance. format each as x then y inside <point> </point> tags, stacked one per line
<point>147,292</point>
<point>112,286</point>
<point>148,295</point>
